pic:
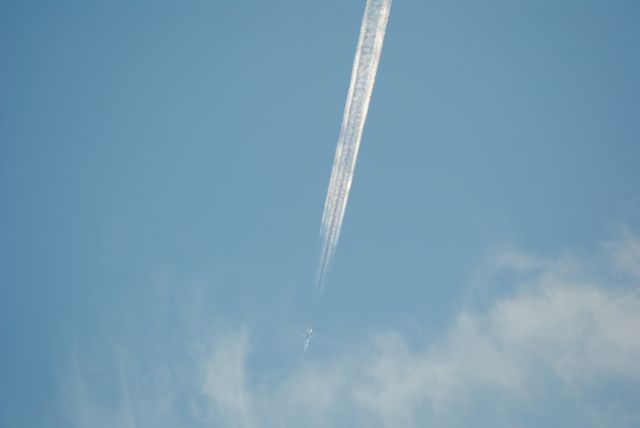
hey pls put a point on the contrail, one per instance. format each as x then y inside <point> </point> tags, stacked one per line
<point>363,76</point>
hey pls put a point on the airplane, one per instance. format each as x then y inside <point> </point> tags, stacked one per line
<point>307,334</point>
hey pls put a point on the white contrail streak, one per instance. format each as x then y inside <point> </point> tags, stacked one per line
<point>365,65</point>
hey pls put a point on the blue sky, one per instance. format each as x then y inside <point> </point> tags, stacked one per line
<point>162,177</point>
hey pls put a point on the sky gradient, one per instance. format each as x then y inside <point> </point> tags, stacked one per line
<point>163,169</point>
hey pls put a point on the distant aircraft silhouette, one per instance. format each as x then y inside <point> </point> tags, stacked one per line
<point>307,334</point>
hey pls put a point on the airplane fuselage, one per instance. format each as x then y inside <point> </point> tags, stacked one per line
<point>308,334</point>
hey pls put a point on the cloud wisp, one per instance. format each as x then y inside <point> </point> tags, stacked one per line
<point>557,347</point>
<point>365,65</point>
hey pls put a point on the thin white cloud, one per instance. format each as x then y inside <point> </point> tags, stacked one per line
<point>559,347</point>
<point>101,392</point>
<point>223,371</point>
<point>626,252</point>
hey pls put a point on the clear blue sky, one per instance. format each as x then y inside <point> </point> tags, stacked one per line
<point>163,169</point>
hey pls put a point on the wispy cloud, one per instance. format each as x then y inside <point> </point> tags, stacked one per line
<point>559,347</point>
<point>626,252</point>
<point>117,391</point>
<point>223,371</point>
